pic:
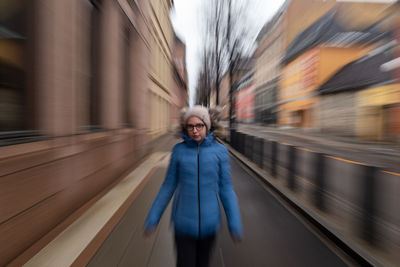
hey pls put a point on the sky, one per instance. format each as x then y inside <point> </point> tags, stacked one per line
<point>186,20</point>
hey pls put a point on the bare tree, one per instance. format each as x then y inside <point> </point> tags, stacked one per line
<point>227,38</point>
<point>204,81</point>
<point>213,52</point>
<point>238,43</point>
<point>219,27</point>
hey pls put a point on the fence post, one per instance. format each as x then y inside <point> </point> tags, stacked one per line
<point>368,205</point>
<point>249,147</point>
<point>274,152</point>
<point>232,138</point>
<point>257,150</point>
<point>320,181</point>
<point>292,168</point>
<point>237,141</point>
<point>242,142</point>
<point>261,156</point>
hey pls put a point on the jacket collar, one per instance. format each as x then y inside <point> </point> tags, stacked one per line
<point>206,142</point>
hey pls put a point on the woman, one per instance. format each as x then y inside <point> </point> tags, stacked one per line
<point>199,175</point>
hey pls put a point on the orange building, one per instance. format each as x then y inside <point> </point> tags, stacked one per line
<point>301,77</point>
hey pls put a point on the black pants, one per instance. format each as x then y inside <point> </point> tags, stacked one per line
<point>193,252</point>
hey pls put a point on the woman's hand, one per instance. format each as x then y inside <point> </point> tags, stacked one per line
<point>236,238</point>
<point>148,232</point>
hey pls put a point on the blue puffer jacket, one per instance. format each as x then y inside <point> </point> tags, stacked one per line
<point>199,174</point>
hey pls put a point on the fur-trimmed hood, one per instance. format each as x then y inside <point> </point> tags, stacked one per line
<point>216,127</point>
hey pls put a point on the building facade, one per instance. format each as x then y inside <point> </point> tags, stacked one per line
<point>224,102</point>
<point>267,70</point>
<point>245,100</point>
<point>281,31</point>
<point>80,102</point>
<point>319,51</point>
<point>180,88</point>
<point>293,17</point>
<point>161,68</point>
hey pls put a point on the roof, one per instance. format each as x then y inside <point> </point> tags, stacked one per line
<point>328,31</point>
<point>361,73</point>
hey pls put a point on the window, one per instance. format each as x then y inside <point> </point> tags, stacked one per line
<point>126,68</point>
<point>13,35</point>
<point>95,61</point>
<point>16,96</point>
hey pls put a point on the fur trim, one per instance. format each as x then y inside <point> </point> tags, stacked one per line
<point>218,129</point>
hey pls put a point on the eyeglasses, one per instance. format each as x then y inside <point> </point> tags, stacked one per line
<point>191,127</point>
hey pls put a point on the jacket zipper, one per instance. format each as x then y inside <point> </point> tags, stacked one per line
<point>198,184</point>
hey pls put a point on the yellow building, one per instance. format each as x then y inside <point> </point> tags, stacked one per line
<point>161,68</point>
<point>377,109</point>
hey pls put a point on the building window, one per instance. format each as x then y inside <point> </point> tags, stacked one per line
<point>16,96</point>
<point>126,68</point>
<point>95,61</point>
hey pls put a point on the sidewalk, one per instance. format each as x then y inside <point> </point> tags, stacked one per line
<point>68,247</point>
<point>314,133</point>
<point>304,132</point>
<point>381,154</point>
<point>83,236</point>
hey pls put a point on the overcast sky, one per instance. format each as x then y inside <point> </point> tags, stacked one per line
<point>186,20</point>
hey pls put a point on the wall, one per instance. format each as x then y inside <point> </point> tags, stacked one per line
<point>372,122</point>
<point>338,113</point>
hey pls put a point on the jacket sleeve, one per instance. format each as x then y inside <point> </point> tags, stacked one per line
<point>164,195</point>
<point>228,196</point>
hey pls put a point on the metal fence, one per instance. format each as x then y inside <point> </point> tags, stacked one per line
<point>284,161</point>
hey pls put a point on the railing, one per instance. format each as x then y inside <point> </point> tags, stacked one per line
<point>364,196</point>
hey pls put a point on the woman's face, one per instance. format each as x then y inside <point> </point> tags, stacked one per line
<point>196,129</point>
